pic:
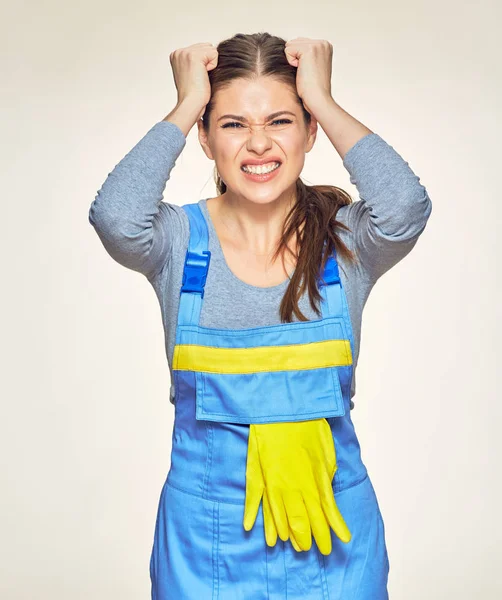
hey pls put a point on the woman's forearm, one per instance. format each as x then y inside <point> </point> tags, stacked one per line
<point>342,129</point>
<point>184,115</point>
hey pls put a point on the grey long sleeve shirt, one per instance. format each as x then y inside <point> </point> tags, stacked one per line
<point>142,232</point>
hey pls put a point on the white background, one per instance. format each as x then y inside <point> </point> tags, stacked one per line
<point>86,421</point>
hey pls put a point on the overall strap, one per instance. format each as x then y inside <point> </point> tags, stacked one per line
<point>330,288</point>
<point>196,267</point>
<point>334,300</point>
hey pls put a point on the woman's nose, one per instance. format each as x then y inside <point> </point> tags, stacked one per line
<point>258,136</point>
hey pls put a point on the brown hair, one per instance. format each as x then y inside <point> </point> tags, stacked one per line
<point>246,56</point>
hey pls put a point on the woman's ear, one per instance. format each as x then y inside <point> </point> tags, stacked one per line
<point>203,140</point>
<point>311,134</point>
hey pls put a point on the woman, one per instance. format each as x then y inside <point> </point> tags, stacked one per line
<point>261,290</point>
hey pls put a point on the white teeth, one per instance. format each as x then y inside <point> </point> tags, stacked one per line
<point>261,169</point>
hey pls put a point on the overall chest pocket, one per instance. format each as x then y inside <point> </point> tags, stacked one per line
<point>265,375</point>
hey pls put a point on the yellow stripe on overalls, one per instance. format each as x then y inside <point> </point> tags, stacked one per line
<point>313,355</point>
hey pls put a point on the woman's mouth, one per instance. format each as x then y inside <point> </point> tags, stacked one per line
<point>261,173</point>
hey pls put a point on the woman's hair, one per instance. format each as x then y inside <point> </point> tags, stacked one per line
<point>247,56</point>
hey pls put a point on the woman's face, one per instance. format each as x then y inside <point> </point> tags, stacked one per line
<point>256,134</point>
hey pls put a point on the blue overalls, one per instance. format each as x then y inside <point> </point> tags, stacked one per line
<point>226,379</point>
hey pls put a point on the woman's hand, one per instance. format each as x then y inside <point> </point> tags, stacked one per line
<point>190,66</point>
<point>313,59</point>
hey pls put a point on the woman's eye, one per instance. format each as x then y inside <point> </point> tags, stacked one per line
<point>232,123</point>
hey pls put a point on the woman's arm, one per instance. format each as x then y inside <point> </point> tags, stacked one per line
<point>128,214</point>
<point>394,206</point>
<point>135,226</point>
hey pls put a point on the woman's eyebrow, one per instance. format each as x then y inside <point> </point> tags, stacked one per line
<point>276,114</point>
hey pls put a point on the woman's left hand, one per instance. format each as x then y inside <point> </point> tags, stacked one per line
<point>313,59</point>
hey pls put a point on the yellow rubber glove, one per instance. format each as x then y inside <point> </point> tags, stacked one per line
<point>291,466</point>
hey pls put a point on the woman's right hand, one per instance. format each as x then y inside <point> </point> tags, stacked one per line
<point>190,66</point>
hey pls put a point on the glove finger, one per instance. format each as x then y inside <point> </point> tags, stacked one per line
<point>268,522</point>
<point>293,541</point>
<point>251,505</point>
<point>279,514</point>
<point>332,512</point>
<point>254,483</point>
<point>318,522</point>
<point>298,519</point>
<point>270,528</point>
